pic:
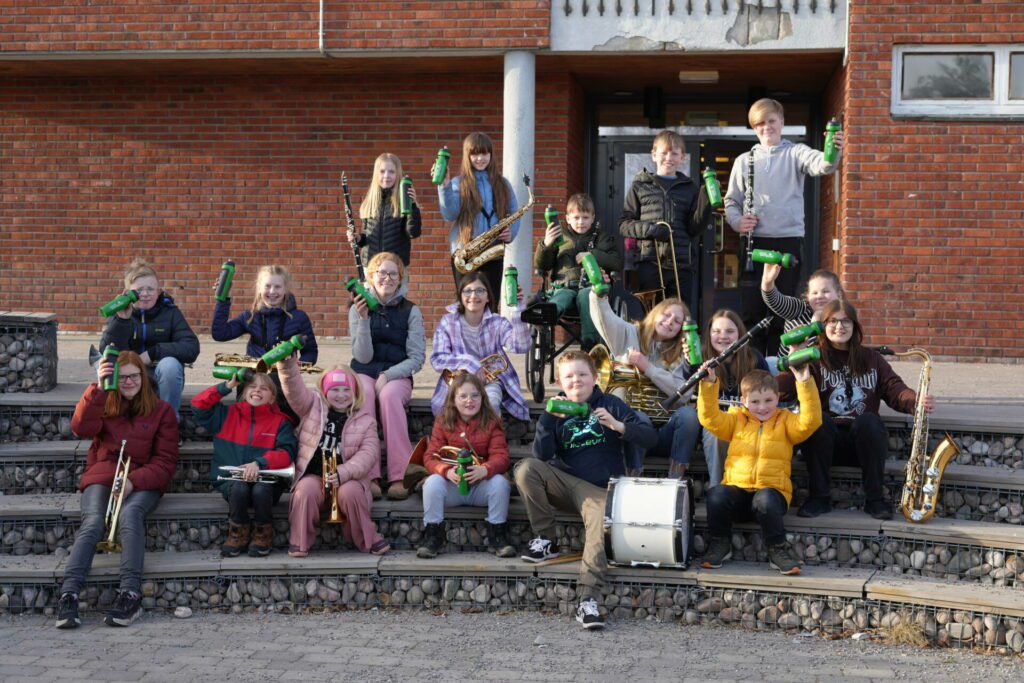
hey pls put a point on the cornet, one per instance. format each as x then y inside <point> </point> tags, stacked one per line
<point>330,466</point>
<point>109,543</point>
<point>493,365</point>
<point>265,476</point>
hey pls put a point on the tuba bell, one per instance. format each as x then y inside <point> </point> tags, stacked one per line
<point>629,384</point>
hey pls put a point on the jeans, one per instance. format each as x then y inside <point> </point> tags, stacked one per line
<point>865,443</point>
<point>714,455</point>
<point>131,528</point>
<point>634,454</point>
<point>728,504</point>
<point>678,437</point>
<point>439,493</point>
<point>647,278</point>
<point>568,301</point>
<point>169,376</point>
<point>260,496</point>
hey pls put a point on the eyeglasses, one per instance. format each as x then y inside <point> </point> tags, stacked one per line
<point>130,379</point>
<point>386,275</point>
<point>476,291</point>
<point>146,290</point>
<point>839,322</point>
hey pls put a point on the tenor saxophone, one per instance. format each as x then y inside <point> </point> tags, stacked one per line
<point>924,471</point>
<point>481,249</point>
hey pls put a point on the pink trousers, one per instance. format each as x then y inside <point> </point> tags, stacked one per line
<point>391,402</point>
<point>354,501</point>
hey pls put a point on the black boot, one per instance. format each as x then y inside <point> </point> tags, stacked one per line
<point>433,540</point>
<point>498,541</point>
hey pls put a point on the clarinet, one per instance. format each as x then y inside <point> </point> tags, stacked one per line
<point>351,227</point>
<point>748,210</point>
<point>670,402</point>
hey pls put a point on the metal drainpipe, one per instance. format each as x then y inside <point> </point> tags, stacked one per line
<point>323,53</point>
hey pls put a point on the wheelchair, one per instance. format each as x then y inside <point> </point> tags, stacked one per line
<point>542,316</point>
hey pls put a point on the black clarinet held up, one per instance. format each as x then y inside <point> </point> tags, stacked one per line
<point>351,227</point>
<point>670,402</point>
<point>748,210</point>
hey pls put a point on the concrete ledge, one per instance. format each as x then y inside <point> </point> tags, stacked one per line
<point>946,530</point>
<point>969,597</point>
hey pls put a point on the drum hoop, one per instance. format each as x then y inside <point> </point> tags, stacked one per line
<point>683,498</point>
<point>609,499</point>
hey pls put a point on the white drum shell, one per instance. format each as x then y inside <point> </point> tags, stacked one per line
<point>647,521</point>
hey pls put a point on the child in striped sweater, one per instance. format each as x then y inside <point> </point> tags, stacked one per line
<point>823,287</point>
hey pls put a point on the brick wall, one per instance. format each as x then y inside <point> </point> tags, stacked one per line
<point>933,247</point>
<point>190,171</point>
<point>105,25</point>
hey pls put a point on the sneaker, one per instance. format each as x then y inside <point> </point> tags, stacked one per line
<point>879,509</point>
<point>433,540</point>
<point>127,608</point>
<point>719,550</point>
<point>782,557</point>
<point>541,549</point>
<point>498,541</point>
<point>813,507</point>
<point>67,611</point>
<point>588,614</point>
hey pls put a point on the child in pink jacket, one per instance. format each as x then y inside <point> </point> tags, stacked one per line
<point>334,416</point>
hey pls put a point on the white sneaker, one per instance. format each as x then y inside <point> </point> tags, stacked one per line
<point>588,614</point>
<point>541,549</point>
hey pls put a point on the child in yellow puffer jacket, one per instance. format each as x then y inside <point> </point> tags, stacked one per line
<point>756,482</point>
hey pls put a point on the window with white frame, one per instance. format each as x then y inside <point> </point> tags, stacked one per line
<point>958,81</point>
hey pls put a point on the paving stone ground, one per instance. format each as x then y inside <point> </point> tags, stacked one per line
<point>403,646</point>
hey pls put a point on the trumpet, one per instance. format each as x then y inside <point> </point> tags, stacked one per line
<point>265,476</point>
<point>330,466</point>
<point>110,543</point>
<point>493,365</point>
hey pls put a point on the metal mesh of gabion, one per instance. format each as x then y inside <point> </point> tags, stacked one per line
<point>36,537</point>
<point>28,356</point>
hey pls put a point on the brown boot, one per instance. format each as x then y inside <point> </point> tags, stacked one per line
<point>397,492</point>
<point>237,541</point>
<point>262,540</point>
<point>375,489</point>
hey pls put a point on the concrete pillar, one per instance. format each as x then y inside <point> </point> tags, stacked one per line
<point>517,153</point>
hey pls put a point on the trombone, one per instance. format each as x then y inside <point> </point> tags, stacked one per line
<point>265,476</point>
<point>110,543</point>
<point>675,266</point>
<point>330,466</point>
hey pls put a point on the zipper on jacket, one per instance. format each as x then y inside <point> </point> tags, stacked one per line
<point>252,422</point>
<point>757,451</point>
<point>143,317</point>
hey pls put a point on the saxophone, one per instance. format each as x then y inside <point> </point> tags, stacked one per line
<point>924,472</point>
<point>480,249</point>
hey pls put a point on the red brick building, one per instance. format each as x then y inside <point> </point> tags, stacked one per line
<point>191,132</point>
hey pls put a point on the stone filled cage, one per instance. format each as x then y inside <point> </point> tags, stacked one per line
<point>28,352</point>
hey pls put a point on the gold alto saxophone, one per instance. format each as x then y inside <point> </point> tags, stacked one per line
<point>481,249</point>
<point>924,472</point>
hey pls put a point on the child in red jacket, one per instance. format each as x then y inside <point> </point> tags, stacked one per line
<point>254,435</point>
<point>467,421</point>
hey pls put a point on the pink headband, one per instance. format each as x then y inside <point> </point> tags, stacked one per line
<point>335,378</point>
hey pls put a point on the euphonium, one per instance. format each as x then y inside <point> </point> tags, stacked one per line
<point>626,381</point>
<point>481,248</point>
<point>265,476</point>
<point>237,361</point>
<point>924,472</point>
<point>110,543</point>
<point>492,365</point>
<point>330,465</point>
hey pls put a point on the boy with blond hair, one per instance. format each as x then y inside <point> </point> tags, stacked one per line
<point>573,459</point>
<point>756,481</point>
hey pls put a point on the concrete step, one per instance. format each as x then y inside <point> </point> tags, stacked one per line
<point>976,552</point>
<point>979,493</point>
<point>824,599</point>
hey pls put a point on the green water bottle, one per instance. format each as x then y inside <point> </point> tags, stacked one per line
<point>465,461</point>
<point>831,129</point>
<point>222,292</point>
<point>110,381</point>
<point>511,286</point>
<point>551,216</point>
<point>799,358</point>
<point>119,303</point>
<point>769,256</point>
<point>280,352</point>
<point>406,200</point>
<point>694,357</point>
<point>801,334</point>
<point>561,406</point>
<point>440,168</point>
<point>714,191</point>
<point>228,373</point>
<point>594,274</point>
<point>356,287</point>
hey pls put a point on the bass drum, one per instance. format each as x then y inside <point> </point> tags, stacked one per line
<point>648,522</point>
